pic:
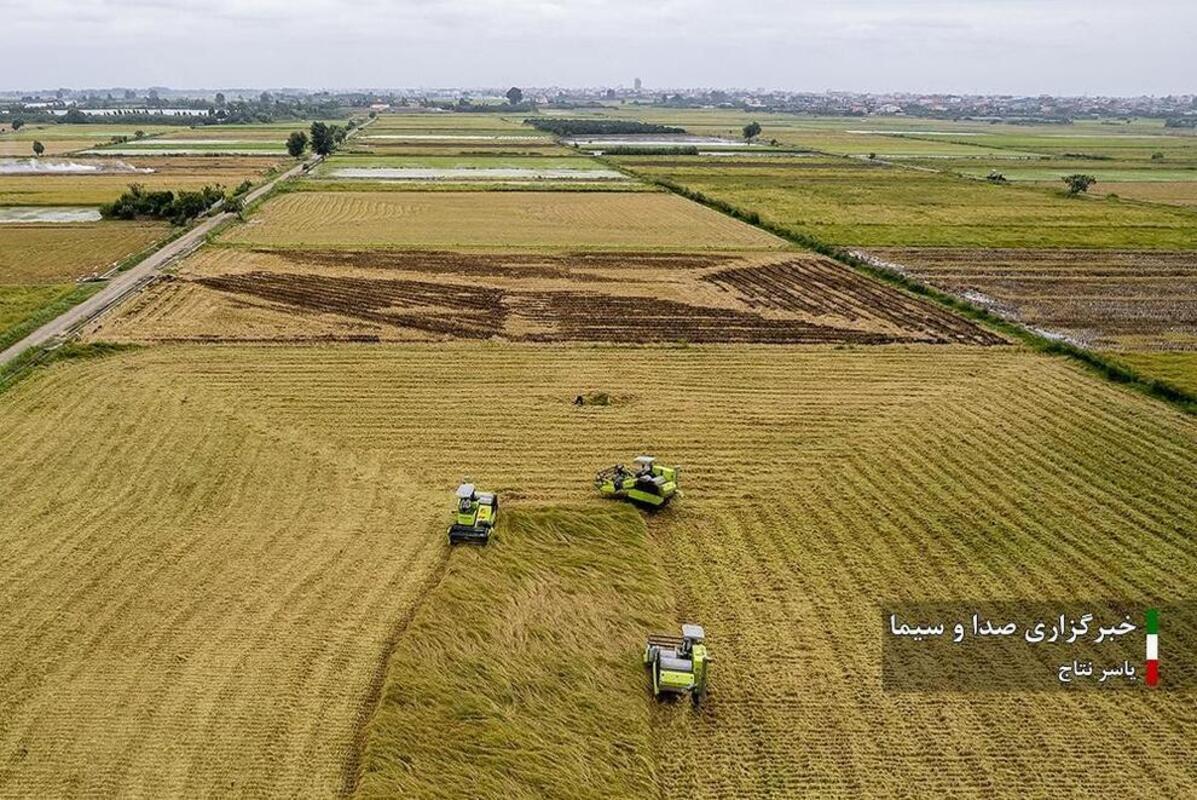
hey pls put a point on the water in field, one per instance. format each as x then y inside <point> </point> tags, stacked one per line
<point>455,137</point>
<point>476,174</point>
<point>53,166</point>
<point>661,140</point>
<point>13,214</point>
<point>124,150</point>
<point>193,142</point>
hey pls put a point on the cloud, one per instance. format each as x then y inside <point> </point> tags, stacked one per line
<point>1024,46</point>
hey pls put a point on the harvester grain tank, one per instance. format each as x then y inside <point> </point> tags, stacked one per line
<point>679,664</point>
<point>647,482</point>
<point>477,513</point>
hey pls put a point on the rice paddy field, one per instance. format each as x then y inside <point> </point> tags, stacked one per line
<point>92,181</point>
<point>254,614</point>
<point>40,263</point>
<point>501,219</point>
<point>66,138</point>
<point>223,560</point>
<point>228,293</point>
<point>1113,270</point>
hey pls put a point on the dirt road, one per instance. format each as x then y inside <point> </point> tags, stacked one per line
<point>125,283</point>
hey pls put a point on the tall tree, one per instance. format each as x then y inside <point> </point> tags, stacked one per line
<point>322,139</point>
<point>38,148</point>
<point>752,130</point>
<point>297,142</point>
<point>514,95</point>
<point>1079,183</point>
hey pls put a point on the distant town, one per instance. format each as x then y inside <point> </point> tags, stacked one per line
<point>79,105</point>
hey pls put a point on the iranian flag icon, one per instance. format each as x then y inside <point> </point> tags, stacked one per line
<point>1153,646</point>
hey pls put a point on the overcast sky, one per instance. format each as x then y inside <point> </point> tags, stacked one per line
<point>998,46</point>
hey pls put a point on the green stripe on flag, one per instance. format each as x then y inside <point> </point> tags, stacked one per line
<point>1153,620</point>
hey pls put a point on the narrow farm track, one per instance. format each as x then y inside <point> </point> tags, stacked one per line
<point>135,278</point>
<point>209,548</point>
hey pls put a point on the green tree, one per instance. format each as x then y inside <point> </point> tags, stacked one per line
<point>514,95</point>
<point>1079,183</point>
<point>38,148</point>
<point>220,99</point>
<point>751,131</point>
<point>322,139</point>
<point>138,134</point>
<point>17,124</point>
<point>297,142</point>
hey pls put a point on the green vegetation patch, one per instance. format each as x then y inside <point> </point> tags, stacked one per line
<point>519,675</point>
<point>23,309</point>
<point>1175,368</point>
<point>860,203</point>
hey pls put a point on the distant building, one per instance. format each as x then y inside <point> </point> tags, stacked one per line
<point>637,84</point>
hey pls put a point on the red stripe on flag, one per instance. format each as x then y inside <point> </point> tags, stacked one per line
<point>1153,673</point>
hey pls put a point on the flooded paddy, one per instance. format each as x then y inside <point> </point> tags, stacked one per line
<point>53,166</point>
<point>27,214</point>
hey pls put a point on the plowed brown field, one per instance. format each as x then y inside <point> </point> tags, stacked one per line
<point>1103,298</point>
<point>228,294</point>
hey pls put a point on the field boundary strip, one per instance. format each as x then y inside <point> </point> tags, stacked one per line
<point>1095,362</point>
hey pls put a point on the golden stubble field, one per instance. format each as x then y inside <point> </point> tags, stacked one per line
<point>62,252</point>
<point>211,549</point>
<point>628,220</point>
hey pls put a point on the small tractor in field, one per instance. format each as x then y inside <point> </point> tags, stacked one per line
<point>647,483</point>
<point>679,664</point>
<point>477,513</point>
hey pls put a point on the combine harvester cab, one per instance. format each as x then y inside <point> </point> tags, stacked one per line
<point>647,483</point>
<point>679,664</point>
<point>477,513</point>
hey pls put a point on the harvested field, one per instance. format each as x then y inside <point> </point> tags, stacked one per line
<point>55,253</point>
<point>195,602</point>
<point>299,490</point>
<point>228,294</point>
<point>24,148</point>
<point>171,174</point>
<point>1176,193</point>
<point>1099,297</point>
<point>512,220</point>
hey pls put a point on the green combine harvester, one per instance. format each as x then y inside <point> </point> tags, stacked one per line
<point>679,664</point>
<point>647,483</point>
<point>477,513</point>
